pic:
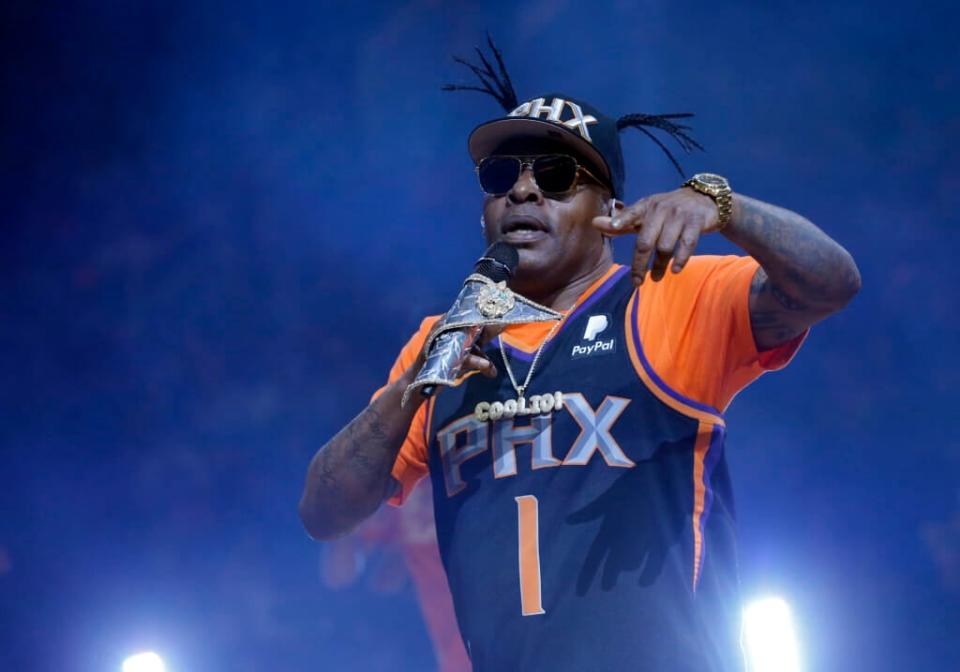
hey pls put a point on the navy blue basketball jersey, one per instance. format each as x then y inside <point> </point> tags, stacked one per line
<point>600,535</point>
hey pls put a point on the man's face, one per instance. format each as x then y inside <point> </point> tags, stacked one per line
<point>553,234</point>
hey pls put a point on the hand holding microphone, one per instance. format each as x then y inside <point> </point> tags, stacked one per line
<point>485,302</point>
<point>450,353</point>
<point>475,360</point>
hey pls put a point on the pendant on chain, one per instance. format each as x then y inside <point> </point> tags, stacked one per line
<point>538,404</point>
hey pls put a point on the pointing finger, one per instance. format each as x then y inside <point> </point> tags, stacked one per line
<point>643,248</point>
<point>627,220</point>
<point>664,250</point>
<point>688,242</point>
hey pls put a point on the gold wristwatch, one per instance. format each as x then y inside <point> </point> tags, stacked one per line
<point>718,188</point>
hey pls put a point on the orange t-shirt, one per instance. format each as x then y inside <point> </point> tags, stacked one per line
<point>694,329</point>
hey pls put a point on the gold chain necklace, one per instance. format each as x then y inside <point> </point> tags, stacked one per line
<point>538,404</point>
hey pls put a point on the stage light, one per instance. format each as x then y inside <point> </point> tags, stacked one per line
<point>769,637</point>
<point>144,662</point>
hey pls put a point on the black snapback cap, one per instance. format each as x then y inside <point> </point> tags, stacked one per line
<point>558,119</point>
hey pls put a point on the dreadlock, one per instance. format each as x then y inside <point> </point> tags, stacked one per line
<point>662,121</point>
<point>495,84</point>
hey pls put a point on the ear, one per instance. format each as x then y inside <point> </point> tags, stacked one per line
<point>607,208</point>
<point>608,204</point>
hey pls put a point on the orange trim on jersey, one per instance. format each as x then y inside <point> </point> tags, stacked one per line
<point>702,445</point>
<point>528,555</point>
<point>659,392</point>
<point>528,337</point>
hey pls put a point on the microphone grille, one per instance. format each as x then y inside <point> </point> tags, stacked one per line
<point>499,262</point>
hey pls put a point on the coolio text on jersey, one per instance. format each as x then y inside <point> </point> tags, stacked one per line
<point>538,403</point>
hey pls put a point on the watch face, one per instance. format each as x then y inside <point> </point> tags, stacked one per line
<point>712,180</point>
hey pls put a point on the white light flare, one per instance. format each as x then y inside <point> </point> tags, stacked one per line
<point>769,636</point>
<point>144,662</point>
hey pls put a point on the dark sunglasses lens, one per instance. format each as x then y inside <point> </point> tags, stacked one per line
<point>555,173</point>
<point>498,174</point>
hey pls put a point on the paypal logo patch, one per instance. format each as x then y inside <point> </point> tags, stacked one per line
<point>592,343</point>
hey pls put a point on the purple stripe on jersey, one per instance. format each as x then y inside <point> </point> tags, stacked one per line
<point>635,331</point>
<point>601,290</point>
<point>710,461</point>
<point>516,353</point>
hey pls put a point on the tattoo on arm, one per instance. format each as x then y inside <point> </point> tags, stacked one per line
<point>804,274</point>
<point>350,476</point>
<point>767,313</point>
<point>783,299</point>
<point>363,451</point>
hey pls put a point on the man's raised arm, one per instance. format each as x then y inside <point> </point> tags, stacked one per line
<point>804,274</point>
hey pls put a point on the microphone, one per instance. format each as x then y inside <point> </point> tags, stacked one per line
<point>451,348</point>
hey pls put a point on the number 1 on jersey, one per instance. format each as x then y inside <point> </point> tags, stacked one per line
<point>528,536</point>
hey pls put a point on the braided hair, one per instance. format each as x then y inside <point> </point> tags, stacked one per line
<point>496,82</point>
<point>662,121</point>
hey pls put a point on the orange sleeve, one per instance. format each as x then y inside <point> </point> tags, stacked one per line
<point>411,463</point>
<point>695,329</point>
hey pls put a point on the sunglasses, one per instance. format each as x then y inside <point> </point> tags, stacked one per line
<point>554,174</point>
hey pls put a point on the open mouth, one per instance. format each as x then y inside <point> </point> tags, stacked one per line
<point>522,228</point>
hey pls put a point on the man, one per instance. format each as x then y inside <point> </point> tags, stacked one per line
<point>597,534</point>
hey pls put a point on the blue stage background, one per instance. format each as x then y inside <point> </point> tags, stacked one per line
<point>221,220</point>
